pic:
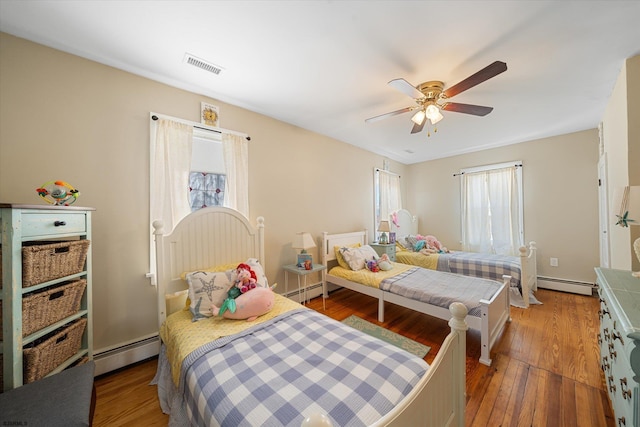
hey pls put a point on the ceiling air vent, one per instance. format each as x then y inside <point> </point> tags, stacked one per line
<point>201,63</point>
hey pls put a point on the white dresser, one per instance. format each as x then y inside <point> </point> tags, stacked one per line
<point>29,228</point>
<point>619,340</point>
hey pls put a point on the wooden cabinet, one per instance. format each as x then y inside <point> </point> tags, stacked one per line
<point>389,249</point>
<point>619,340</point>
<point>29,227</point>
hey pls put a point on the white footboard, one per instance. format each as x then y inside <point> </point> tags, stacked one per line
<point>495,314</point>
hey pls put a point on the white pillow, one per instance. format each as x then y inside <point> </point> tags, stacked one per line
<point>357,257</point>
<point>206,288</point>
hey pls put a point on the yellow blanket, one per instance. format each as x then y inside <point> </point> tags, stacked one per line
<point>181,336</point>
<point>366,277</point>
<point>419,259</point>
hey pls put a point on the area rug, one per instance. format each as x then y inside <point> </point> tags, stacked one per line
<point>404,343</point>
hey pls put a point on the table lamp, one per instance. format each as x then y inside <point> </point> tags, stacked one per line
<point>383,227</point>
<point>629,215</point>
<point>303,241</point>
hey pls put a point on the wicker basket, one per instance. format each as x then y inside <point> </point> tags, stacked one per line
<point>42,262</point>
<point>44,355</point>
<point>44,308</point>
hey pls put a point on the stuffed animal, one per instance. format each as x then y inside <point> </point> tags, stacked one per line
<point>384,263</point>
<point>433,243</point>
<point>246,278</point>
<point>248,306</point>
<point>372,265</point>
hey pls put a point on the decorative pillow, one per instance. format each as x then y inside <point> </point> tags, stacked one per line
<point>339,257</point>
<point>411,242</point>
<point>207,288</point>
<point>357,257</point>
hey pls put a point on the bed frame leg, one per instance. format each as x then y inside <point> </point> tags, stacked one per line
<point>380,309</point>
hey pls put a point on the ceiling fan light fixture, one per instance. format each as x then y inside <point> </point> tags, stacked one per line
<point>436,118</point>
<point>418,118</point>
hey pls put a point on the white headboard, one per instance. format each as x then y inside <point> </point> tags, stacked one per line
<point>407,224</point>
<point>330,241</point>
<point>206,238</point>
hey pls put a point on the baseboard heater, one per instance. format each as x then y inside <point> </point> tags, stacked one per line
<point>117,357</point>
<point>566,285</point>
<point>313,290</point>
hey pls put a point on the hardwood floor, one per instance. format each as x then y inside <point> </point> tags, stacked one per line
<point>545,369</point>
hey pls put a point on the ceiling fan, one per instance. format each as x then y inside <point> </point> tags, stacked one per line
<point>431,97</point>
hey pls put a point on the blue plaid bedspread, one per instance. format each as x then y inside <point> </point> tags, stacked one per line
<point>441,289</point>
<point>487,266</point>
<point>280,371</point>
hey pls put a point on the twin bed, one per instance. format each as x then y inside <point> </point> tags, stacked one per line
<point>419,289</point>
<point>521,268</point>
<point>293,364</point>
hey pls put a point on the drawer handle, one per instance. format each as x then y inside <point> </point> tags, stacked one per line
<point>622,421</point>
<point>56,295</point>
<point>64,337</point>
<point>626,392</point>
<point>59,223</point>
<point>618,336</point>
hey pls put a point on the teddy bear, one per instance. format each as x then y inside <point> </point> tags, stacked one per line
<point>434,245</point>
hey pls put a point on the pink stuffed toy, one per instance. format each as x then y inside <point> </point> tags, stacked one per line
<point>433,243</point>
<point>249,305</point>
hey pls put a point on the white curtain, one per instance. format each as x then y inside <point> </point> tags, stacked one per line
<point>491,211</point>
<point>389,194</point>
<point>236,163</point>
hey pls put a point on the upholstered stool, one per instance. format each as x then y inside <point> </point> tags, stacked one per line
<point>66,399</point>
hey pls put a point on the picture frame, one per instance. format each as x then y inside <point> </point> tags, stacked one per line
<point>209,114</point>
<point>302,258</point>
<point>392,238</point>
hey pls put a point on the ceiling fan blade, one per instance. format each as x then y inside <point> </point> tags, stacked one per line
<point>418,128</point>
<point>391,114</point>
<point>476,110</point>
<point>477,78</point>
<point>407,88</point>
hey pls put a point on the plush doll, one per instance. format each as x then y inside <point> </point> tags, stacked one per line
<point>372,265</point>
<point>246,278</point>
<point>248,306</point>
<point>384,263</point>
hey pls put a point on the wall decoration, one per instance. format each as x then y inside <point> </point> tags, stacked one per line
<point>209,114</point>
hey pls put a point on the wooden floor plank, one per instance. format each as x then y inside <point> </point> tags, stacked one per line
<point>537,378</point>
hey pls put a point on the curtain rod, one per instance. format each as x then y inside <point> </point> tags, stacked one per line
<point>155,117</point>
<point>389,172</point>
<point>517,165</point>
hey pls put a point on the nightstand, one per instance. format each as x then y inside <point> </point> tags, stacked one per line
<point>389,249</point>
<point>301,273</point>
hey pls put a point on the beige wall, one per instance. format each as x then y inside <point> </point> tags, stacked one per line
<point>621,135</point>
<point>64,117</point>
<point>560,199</point>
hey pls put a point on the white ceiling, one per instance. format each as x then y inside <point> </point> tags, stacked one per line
<point>324,65</point>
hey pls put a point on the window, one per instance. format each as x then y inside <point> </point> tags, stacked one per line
<point>207,178</point>
<point>492,209</point>
<point>206,189</point>
<point>387,195</point>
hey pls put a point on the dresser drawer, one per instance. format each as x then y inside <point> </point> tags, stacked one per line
<point>52,224</point>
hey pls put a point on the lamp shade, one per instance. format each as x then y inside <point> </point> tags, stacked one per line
<point>384,226</point>
<point>303,240</point>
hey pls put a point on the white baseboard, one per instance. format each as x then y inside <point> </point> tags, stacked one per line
<point>115,358</point>
<point>313,290</point>
<point>564,285</point>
